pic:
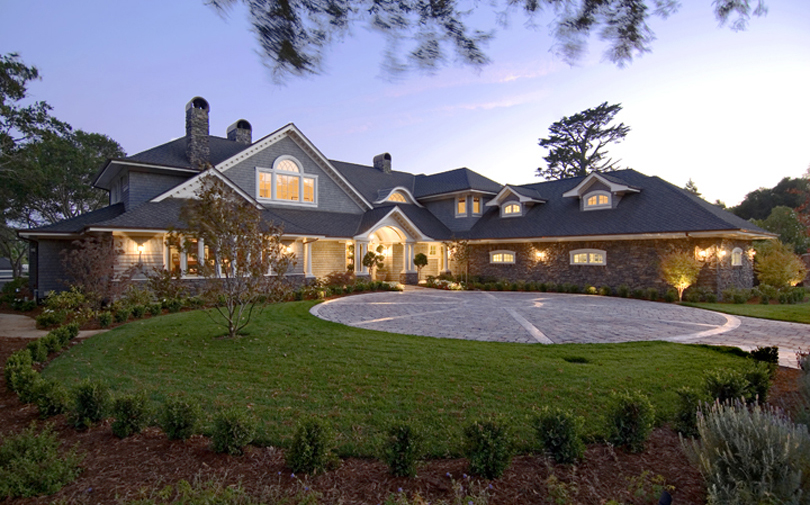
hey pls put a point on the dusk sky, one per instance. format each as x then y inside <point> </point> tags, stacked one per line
<point>731,110</point>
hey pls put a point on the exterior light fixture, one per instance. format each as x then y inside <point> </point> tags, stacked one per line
<point>140,248</point>
<point>540,255</point>
<point>721,253</point>
<point>702,254</point>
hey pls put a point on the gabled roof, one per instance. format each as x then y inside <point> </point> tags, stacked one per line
<point>368,180</point>
<point>524,195</point>
<point>616,185</point>
<point>453,181</point>
<point>173,153</point>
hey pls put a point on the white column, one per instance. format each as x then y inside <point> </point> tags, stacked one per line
<point>409,266</point>
<point>445,258</point>
<point>359,252</point>
<point>308,259</point>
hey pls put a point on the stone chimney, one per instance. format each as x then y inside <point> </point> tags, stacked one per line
<point>241,132</point>
<point>382,162</point>
<point>197,148</point>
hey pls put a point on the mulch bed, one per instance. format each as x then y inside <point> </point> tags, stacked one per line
<point>114,469</point>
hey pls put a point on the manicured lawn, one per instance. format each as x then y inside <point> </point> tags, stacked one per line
<point>799,313</point>
<point>292,365</point>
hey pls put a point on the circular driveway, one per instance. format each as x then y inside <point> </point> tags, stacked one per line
<point>555,318</point>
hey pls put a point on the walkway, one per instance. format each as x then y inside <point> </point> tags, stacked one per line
<point>555,318</point>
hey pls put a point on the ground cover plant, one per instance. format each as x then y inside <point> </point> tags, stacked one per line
<point>290,365</point>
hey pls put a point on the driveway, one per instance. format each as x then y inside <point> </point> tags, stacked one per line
<point>555,318</point>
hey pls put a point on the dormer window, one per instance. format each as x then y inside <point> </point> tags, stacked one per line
<point>476,205</point>
<point>397,197</point>
<point>461,206</point>
<point>597,200</point>
<point>286,183</point>
<point>511,209</point>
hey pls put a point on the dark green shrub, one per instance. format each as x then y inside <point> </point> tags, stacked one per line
<point>24,382</point>
<point>19,360</point>
<point>638,294</point>
<point>50,318</point>
<point>104,319</point>
<point>38,349</point>
<point>90,403</point>
<point>403,450</point>
<point>711,298</point>
<point>21,305</point>
<point>769,355</point>
<point>652,294</point>
<point>52,342</point>
<point>122,315</point>
<point>560,434</point>
<point>725,385</point>
<point>30,464</point>
<point>312,448</point>
<point>691,295</point>
<point>72,330</point>
<point>623,291</point>
<point>671,296</point>
<point>689,401</point>
<point>631,419</point>
<point>488,448</point>
<point>195,302</point>
<point>154,309</point>
<point>605,291</point>
<point>543,287</point>
<point>758,378</point>
<point>51,398</point>
<point>138,311</point>
<point>131,413</point>
<point>179,418</point>
<point>173,304</point>
<point>234,428</point>
<point>62,336</point>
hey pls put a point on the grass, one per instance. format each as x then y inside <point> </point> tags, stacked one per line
<point>290,365</point>
<point>799,313</point>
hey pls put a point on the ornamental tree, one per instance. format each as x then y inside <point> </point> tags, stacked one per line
<point>420,261</point>
<point>242,250</point>
<point>777,265</point>
<point>680,270</point>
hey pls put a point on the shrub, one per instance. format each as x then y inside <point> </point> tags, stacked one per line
<point>154,309</point>
<point>131,413</point>
<point>605,291</point>
<point>671,296</point>
<point>24,382</point>
<point>90,403</point>
<point>776,265</point>
<point>23,305</point>
<point>725,384</point>
<point>66,301</point>
<point>52,342</point>
<point>104,319</point>
<point>758,377</point>
<point>631,419</point>
<point>769,355</point>
<point>652,294</point>
<point>767,293</point>
<point>623,291</point>
<point>311,450</point>
<point>179,418</point>
<point>689,401</point>
<point>173,304</point>
<point>50,318</point>
<point>234,428</point>
<point>51,398</point>
<point>402,450</point>
<point>19,360</point>
<point>590,290</point>
<point>30,464</point>
<point>638,294</point>
<point>751,455</point>
<point>38,349</point>
<point>488,448</point>
<point>680,270</point>
<point>138,311</point>
<point>122,315</point>
<point>736,295</point>
<point>560,434</point>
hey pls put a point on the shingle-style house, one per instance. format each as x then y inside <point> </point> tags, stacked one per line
<point>603,229</point>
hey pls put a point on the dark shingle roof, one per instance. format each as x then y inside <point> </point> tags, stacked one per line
<point>173,153</point>
<point>459,179</point>
<point>369,181</point>
<point>79,223</point>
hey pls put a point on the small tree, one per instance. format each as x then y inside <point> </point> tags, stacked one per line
<point>242,249</point>
<point>460,253</point>
<point>777,265</point>
<point>91,266</point>
<point>420,261</point>
<point>680,270</point>
<point>373,260</point>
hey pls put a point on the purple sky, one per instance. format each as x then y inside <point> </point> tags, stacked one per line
<point>730,110</point>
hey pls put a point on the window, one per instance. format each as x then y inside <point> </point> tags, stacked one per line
<point>186,261</point>
<point>597,200</point>
<point>588,257</point>
<point>736,257</point>
<point>286,183</point>
<point>461,206</point>
<point>502,257</point>
<point>396,197</point>
<point>511,210</point>
<point>476,205</point>
<point>433,250</point>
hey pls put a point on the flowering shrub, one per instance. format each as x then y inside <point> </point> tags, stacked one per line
<point>433,282</point>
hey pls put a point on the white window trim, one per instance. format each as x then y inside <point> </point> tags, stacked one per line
<point>511,202</point>
<point>736,257</point>
<point>588,252</point>
<point>480,205</point>
<point>502,251</point>
<point>466,206</point>
<point>607,205</point>
<point>300,175</point>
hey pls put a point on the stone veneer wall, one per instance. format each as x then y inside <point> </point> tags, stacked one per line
<point>631,262</point>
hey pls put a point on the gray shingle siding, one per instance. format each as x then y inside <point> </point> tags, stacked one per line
<point>143,186</point>
<point>330,196</point>
<point>51,274</point>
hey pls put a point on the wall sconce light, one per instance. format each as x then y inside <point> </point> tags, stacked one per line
<point>540,255</point>
<point>721,253</point>
<point>702,254</point>
<point>288,249</point>
<point>140,249</point>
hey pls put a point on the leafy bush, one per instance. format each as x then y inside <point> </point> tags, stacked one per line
<point>638,294</point>
<point>19,360</point>
<point>50,318</point>
<point>623,291</point>
<point>402,450</point>
<point>776,265</point>
<point>122,314</point>
<point>90,403</point>
<point>312,448</point>
<point>66,301</point>
<point>736,295</point>
<point>560,433</point>
<point>24,382</point>
<point>52,342</point>
<point>173,304</point>
<point>38,349</point>
<point>680,270</point>
<point>652,294</point>
<point>22,305</point>
<point>689,401</point>
<point>631,419</point>
<point>104,319</point>
<point>131,413</point>
<point>768,355</point>
<point>605,291</point>
<point>725,384</point>
<point>234,428</point>
<point>179,418</point>
<point>671,296</point>
<point>758,377</point>
<point>154,309</point>
<point>137,295</point>
<point>751,455</point>
<point>51,398</point>
<point>766,293</point>
<point>138,311</point>
<point>30,464</point>
<point>488,448</point>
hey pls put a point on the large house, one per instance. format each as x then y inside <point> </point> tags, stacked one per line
<point>604,229</point>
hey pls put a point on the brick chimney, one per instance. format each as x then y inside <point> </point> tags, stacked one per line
<point>241,132</point>
<point>382,162</point>
<point>197,149</point>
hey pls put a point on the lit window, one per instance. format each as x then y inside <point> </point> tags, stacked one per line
<point>287,165</point>
<point>265,185</point>
<point>476,205</point>
<point>736,257</point>
<point>432,250</point>
<point>502,257</point>
<point>588,257</point>
<point>287,188</point>
<point>597,199</point>
<point>511,209</point>
<point>461,206</point>
<point>286,183</point>
<point>397,197</point>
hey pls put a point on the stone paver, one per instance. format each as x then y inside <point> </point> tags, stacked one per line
<point>557,318</point>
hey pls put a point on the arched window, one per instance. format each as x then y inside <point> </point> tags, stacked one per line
<point>588,257</point>
<point>597,200</point>
<point>502,257</point>
<point>286,183</point>
<point>397,197</point>
<point>511,209</point>
<point>736,257</point>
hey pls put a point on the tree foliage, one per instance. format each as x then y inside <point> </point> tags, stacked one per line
<point>90,264</point>
<point>294,35</point>
<point>777,265</point>
<point>242,249</point>
<point>785,222</point>
<point>692,187</point>
<point>680,270</point>
<point>759,203</point>
<point>460,254</point>
<point>576,144</point>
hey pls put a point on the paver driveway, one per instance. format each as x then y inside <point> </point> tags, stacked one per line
<point>555,318</point>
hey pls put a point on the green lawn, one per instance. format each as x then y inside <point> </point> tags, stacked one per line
<point>291,365</point>
<point>799,313</point>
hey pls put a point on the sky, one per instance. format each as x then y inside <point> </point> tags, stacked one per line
<point>730,110</point>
